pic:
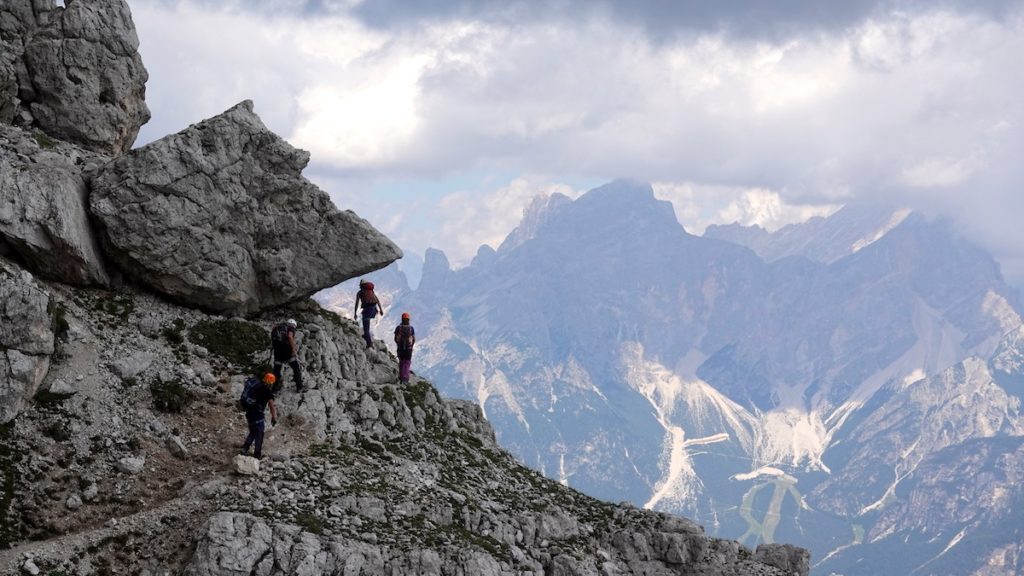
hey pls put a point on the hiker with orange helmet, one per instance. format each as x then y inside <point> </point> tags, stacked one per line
<point>256,396</point>
<point>405,338</point>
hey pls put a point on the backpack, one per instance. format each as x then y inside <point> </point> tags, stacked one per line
<point>279,335</point>
<point>279,340</point>
<point>366,295</point>
<point>247,401</point>
<point>405,334</point>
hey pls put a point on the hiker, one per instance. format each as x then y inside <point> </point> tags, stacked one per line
<point>255,399</point>
<point>371,305</point>
<point>405,338</point>
<point>286,351</point>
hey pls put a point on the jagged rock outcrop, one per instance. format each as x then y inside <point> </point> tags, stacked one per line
<point>26,338</point>
<point>243,544</point>
<point>219,216</point>
<point>43,215</point>
<point>74,72</point>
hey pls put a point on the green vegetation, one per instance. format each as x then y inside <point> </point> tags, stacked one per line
<point>58,431</point>
<point>60,320</point>
<point>118,306</point>
<point>310,522</point>
<point>9,458</point>
<point>171,397</point>
<point>44,141</point>
<point>174,332</point>
<point>235,341</point>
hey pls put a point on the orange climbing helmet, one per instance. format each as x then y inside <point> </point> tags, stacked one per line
<point>405,316</point>
<point>269,378</point>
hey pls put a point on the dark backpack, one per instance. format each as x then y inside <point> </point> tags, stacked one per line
<point>247,401</point>
<point>279,341</point>
<point>405,334</point>
<point>279,336</point>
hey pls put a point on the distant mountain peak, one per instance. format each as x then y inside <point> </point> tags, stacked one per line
<point>540,209</point>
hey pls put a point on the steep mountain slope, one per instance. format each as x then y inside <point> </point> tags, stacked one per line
<point>121,465</point>
<point>620,355</point>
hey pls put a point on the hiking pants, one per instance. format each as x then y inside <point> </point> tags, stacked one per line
<point>256,429</point>
<point>366,330</point>
<point>296,373</point>
<point>404,364</point>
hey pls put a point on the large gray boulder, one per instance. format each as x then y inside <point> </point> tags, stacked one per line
<point>26,339</point>
<point>81,77</point>
<point>219,216</point>
<point>43,208</point>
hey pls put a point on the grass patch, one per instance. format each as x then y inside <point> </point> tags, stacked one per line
<point>9,458</point>
<point>174,332</point>
<point>58,431</point>
<point>119,306</point>
<point>44,141</point>
<point>60,320</point>
<point>235,341</point>
<point>310,522</point>
<point>170,397</point>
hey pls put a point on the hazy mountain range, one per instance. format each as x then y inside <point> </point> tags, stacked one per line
<point>849,384</point>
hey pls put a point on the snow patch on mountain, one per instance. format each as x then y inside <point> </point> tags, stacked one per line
<point>701,406</point>
<point>764,472</point>
<point>792,437</point>
<point>670,393</point>
<point>1001,310</point>
<point>895,220</point>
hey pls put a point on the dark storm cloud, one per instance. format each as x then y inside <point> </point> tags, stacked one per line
<point>665,18</point>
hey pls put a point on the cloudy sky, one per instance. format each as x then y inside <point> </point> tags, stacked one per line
<point>438,120</point>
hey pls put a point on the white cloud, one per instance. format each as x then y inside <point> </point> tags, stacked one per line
<point>699,206</point>
<point>921,107</point>
<point>941,172</point>
<point>475,218</point>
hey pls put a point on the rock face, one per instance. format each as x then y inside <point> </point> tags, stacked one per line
<point>78,72</point>
<point>219,216</point>
<point>26,339</point>
<point>43,216</point>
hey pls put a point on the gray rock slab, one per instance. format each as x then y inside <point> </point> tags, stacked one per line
<point>26,338</point>
<point>43,208</point>
<point>86,82</point>
<point>219,217</point>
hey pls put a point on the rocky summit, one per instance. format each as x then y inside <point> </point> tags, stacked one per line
<point>119,432</point>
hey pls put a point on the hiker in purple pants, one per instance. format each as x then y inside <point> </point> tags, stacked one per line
<point>405,338</point>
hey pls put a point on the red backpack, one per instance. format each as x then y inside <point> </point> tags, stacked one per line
<point>366,295</point>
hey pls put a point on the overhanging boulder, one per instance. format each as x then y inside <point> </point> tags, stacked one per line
<point>219,216</point>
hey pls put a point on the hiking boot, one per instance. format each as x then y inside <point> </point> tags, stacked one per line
<point>244,451</point>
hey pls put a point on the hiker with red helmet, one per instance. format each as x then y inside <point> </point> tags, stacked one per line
<point>405,338</point>
<point>371,305</point>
